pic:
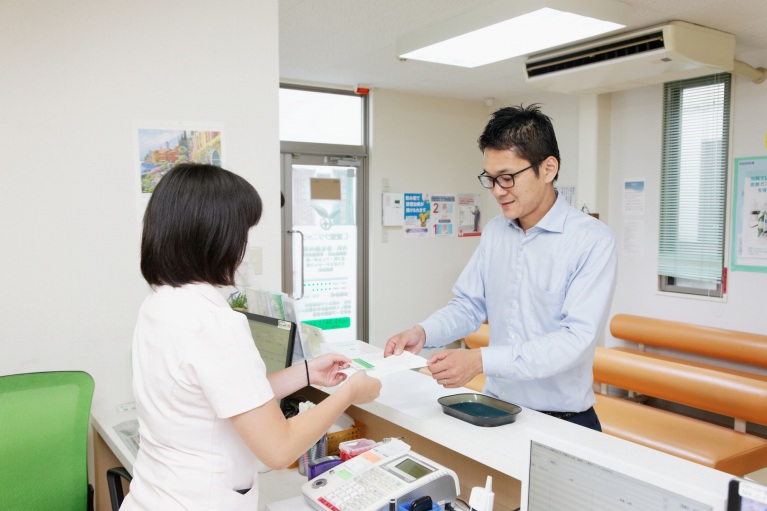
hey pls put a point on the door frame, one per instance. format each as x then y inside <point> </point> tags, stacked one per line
<point>322,154</point>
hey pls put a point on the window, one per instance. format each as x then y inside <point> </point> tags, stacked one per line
<point>696,126</point>
<point>323,117</point>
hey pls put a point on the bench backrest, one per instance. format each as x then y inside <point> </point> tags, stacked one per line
<point>478,339</point>
<point>744,347</point>
<point>726,394</point>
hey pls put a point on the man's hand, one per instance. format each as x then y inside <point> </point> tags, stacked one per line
<point>454,368</point>
<point>411,340</point>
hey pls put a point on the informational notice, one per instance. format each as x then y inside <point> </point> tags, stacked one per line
<point>469,215</point>
<point>417,215</point>
<point>443,215</point>
<point>633,197</point>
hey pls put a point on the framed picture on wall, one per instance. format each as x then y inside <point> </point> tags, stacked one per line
<point>161,148</point>
<point>749,212</point>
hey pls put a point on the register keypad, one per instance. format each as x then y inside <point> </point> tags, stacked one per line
<point>364,490</point>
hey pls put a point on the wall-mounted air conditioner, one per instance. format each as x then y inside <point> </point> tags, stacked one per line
<point>657,54</point>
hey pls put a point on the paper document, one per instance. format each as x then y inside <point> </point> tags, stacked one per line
<point>371,358</point>
<point>378,366</point>
<point>128,431</point>
<point>351,349</point>
<point>311,338</point>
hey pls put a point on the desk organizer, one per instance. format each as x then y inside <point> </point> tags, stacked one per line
<point>353,433</point>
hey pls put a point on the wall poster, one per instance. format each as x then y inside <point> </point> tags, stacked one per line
<point>417,215</point>
<point>749,209</point>
<point>443,215</point>
<point>469,215</point>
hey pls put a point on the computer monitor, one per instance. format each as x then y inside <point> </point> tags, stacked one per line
<point>275,340</point>
<point>560,479</point>
<point>746,496</point>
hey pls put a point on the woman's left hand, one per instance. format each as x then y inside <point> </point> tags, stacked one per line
<point>325,370</point>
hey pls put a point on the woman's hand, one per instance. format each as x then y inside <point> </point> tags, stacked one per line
<point>325,370</point>
<point>365,388</point>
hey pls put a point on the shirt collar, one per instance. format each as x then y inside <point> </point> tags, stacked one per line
<point>209,292</point>
<point>554,219</point>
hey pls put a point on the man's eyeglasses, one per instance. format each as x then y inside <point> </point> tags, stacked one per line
<point>504,180</point>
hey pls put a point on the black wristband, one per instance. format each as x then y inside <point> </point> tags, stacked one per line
<point>308,381</point>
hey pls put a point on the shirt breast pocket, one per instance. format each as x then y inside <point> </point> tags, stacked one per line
<point>546,306</point>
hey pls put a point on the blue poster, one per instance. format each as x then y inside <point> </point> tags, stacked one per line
<point>417,213</point>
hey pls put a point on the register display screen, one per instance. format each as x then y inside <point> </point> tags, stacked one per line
<point>412,468</point>
<point>559,480</point>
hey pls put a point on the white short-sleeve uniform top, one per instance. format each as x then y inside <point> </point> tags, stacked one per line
<point>194,365</point>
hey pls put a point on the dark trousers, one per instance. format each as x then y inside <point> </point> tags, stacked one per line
<point>587,419</point>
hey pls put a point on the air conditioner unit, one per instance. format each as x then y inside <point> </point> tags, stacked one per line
<point>657,54</point>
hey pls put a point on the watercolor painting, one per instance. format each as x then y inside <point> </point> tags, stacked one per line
<point>160,149</point>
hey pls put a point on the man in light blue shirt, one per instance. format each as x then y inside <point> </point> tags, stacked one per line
<point>543,276</point>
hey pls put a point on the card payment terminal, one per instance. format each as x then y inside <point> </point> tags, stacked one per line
<point>389,471</point>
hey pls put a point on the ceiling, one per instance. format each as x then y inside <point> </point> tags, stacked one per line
<point>350,43</point>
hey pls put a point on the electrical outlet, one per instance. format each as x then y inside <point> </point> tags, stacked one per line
<point>126,407</point>
<point>256,260</point>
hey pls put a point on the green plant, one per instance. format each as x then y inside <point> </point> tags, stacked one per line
<point>238,300</point>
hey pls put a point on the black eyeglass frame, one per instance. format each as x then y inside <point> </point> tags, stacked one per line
<point>494,180</point>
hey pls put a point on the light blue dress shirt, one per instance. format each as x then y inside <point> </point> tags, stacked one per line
<point>546,294</point>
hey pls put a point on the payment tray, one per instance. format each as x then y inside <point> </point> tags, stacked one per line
<point>369,481</point>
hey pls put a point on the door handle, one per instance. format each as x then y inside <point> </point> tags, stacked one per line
<point>291,232</point>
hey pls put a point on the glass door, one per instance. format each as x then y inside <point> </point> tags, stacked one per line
<point>322,242</point>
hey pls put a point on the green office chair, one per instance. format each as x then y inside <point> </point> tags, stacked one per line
<point>44,420</point>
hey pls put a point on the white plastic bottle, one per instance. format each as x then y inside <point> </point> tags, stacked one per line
<point>481,499</point>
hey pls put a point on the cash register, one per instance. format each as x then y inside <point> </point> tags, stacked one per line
<point>390,476</point>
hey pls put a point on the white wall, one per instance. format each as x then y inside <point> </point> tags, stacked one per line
<point>418,141</point>
<point>636,153</point>
<point>429,145</point>
<point>426,144</point>
<point>75,78</point>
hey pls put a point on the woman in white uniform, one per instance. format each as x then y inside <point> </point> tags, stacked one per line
<point>207,410</point>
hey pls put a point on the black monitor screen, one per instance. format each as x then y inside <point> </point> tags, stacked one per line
<point>274,339</point>
<point>746,496</point>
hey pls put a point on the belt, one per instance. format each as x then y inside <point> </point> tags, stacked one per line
<point>565,415</point>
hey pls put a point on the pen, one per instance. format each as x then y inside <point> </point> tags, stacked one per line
<point>392,504</point>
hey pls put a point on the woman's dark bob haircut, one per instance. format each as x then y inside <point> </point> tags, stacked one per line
<point>196,226</point>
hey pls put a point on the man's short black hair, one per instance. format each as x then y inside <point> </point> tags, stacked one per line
<point>196,226</point>
<point>525,130</point>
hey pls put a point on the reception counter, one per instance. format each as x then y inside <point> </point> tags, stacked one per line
<point>408,408</point>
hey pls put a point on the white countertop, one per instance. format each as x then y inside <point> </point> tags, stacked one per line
<point>409,400</point>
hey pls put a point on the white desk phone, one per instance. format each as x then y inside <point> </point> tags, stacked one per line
<point>369,481</point>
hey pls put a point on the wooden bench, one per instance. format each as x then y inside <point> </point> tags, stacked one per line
<point>702,388</point>
<point>738,394</point>
<point>478,339</point>
<point>717,343</point>
<point>678,339</point>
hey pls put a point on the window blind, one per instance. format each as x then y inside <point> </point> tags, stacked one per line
<point>696,117</point>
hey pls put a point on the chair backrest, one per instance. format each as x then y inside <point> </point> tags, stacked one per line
<point>44,420</point>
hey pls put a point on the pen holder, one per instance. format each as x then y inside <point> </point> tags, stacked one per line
<point>318,450</point>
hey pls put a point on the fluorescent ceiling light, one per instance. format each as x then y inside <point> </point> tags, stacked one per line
<point>501,31</point>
